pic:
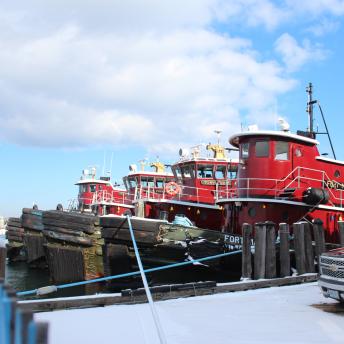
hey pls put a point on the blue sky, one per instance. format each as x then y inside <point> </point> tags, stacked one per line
<point>140,79</point>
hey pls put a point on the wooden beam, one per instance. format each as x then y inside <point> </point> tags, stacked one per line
<point>3,255</point>
<point>246,264</point>
<point>115,299</point>
<point>284,250</point>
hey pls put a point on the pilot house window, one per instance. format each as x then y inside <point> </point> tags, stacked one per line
<point>205,171</point>
<point>282,150</point>
<point>220,172</point>
<point>262,149</point>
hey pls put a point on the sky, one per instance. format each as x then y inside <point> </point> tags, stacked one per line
<point>83,82</point>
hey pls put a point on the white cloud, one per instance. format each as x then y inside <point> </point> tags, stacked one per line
<point>324,27</point>
<point>295,55</point>
<point>151,73</point>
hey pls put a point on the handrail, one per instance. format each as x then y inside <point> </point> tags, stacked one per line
<point>336,195</point>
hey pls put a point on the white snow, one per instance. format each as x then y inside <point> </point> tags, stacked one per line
<point>271,315</point>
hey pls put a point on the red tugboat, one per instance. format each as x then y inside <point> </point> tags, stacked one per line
<point>147,184</point>
<point>193,193</point>
<point>100,196</point>
<point>282,177</point>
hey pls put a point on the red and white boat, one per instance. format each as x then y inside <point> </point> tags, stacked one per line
<point>282,177</point>
<point>193,188</point>
<point>100,196</point>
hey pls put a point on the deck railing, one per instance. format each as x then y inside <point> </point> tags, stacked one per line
<point>295,183</point>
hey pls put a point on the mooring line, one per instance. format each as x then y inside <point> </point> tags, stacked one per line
<point>53,288</point>
<point>155,315</point>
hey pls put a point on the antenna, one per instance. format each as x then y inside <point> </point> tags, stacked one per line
<point>309,110</point>
<point>104,158</point>
<point>111,165</point>
<point>218,133</point>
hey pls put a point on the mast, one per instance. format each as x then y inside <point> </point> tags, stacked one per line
<point>309,110</point>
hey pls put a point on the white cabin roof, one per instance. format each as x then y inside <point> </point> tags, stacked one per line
<point>234,140</point>
<point>90,181</point>
<point>151,173</point>
<point>333,161</point>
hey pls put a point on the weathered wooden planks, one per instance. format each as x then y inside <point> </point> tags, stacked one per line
<point>284,250</point>
<point>72,238</point>
<point>246,264</point>
<point>3,255</point>
<point>100,301</point>
<point>66,264</point>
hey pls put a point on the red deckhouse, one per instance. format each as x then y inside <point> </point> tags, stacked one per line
<point>282,177</point>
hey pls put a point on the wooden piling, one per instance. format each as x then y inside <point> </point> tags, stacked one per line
<point>246,264</point>
<point>260,249</point>
<point>284,250</point>
<point>116,259</point>
<point>319,237</point>
<point>3,254</point>
<point>42,328</point>
<point>299,245</point>
<point>309,255</point>
<point>270,257</point>
<point>341,232</point>
<point>26,319</point>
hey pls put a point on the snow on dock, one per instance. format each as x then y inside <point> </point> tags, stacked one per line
<point>270,315</point>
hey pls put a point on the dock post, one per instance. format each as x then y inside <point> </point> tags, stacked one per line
<point>309,248</point>
<point>3,253</point>
<point>284,250</point>
<point>246,263</point>
<point>42,329</point>
<point>270,257</point>
<point>319,237</point>
<point>299,245</point>
<point>341,232</point>
<point>260,249</point>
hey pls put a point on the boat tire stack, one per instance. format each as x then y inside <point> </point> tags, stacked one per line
<point>73,246</point>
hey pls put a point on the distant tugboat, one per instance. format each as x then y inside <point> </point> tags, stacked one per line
<point>282,177</point>
<point>197,179</point>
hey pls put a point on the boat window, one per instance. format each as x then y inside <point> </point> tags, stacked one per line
<point>282,150</point>
<point>192,170</point>
<point>186,171</point>
<point>147,181</point>
<point>83,188</point>
<point>244,150</point>
<point>262,149</point>
<point>205,171</point>
<point>337,173</point>
<point>176,171</point>
<point>220,172</point>
<point>92,188</point>
<point>132,182</point>
<point>232,171</point>
<point>159,183</point>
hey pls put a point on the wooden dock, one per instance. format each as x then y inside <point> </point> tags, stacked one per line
<point>194,289</point>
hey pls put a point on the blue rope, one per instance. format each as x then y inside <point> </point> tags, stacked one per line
<point>129,274</point>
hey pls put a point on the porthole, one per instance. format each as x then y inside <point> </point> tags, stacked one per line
<point>337,173</point>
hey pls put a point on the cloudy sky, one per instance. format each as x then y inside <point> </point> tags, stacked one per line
<point>138,79</point>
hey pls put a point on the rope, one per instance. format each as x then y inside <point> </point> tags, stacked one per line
<point>129,274</point>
